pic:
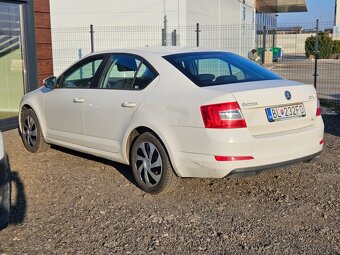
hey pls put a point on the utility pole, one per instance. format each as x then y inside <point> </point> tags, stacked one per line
<point>165,26</point>
<point>164,30</point>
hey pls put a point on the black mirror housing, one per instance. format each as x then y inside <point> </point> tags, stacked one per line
<point>50,82</point>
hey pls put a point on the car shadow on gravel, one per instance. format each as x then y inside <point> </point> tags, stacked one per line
<point>332,124</point>
<point>19,208</point>
<point>121,168</point>
<point>18,204</point>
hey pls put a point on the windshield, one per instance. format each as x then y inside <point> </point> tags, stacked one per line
<point>216,68</point>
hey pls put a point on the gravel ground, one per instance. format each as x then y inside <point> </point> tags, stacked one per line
<point>70,203</point>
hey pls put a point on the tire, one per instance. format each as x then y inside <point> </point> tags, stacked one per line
<point>31,134</point>
<point>5,192</point>
<point>152,179</point>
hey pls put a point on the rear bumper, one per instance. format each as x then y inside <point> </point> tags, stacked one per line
<point>197,148</point>
<point>252,171</point>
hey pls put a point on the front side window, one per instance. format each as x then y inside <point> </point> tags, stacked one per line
<point>218,68</point>
<point>127,73</point>
<point>81,75</point>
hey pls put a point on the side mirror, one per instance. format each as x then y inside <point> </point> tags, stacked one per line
<point>50,82</point>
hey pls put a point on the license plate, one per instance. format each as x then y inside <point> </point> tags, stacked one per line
<point>285,112</point>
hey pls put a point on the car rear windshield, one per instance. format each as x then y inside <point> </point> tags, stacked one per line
<point>217,68</point>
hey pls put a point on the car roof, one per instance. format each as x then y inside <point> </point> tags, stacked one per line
<point>155,50</point>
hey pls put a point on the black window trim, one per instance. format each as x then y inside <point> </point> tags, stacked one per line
<point>107,64</point>
<point>78,64</point>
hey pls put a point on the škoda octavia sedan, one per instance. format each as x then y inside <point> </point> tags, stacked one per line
<point>175,112</point>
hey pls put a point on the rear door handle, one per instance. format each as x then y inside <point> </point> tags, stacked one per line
<point>78,100</point>
<point>129,104</point>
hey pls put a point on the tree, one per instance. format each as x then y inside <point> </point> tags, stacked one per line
<point>325,45</point>
<point>336,46</point>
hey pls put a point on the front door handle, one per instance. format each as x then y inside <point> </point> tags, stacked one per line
<point>78,100</point>
<point>129,104</point>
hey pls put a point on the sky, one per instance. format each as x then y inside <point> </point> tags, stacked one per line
<point>317,9</point>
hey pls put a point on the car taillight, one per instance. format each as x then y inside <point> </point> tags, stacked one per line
<point>225,115</point>
<point>318,109</point>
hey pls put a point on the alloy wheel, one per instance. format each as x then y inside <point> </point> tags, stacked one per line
<point>149,164</point>
<point>30,131</point>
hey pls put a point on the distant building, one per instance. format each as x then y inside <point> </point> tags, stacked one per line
<point>25,53</point>
<point>337,20</point>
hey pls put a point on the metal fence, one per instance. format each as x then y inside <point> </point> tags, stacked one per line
<point>282,48</point>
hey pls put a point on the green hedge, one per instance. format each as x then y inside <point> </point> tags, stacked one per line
<point>326,45</point>
<point>336,47</point>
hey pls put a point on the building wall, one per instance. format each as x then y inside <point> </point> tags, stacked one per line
<point>219,12</point>
<point>43,39</point>
<point>337,13</point>
<point>65,13</point>
<point>225,24</point>
<point>292,43</point>
<point>266,19</point>
<point>75,13</point>
<point>336,34</point>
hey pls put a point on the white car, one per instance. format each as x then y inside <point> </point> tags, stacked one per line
<point>175,112</point>
<point>4,187</point>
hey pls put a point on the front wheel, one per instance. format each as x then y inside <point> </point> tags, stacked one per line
<point>151,166</point>
<point>31,134</point>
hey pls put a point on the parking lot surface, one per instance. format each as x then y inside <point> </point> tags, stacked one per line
<point>64,202</point>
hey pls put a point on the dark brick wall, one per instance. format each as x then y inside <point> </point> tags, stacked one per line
<point>43,38</point>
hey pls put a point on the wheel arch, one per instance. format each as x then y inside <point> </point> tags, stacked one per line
<point>131,136</point>
<point>27,106</point>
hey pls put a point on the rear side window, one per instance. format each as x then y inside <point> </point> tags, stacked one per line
<point>217,68</point>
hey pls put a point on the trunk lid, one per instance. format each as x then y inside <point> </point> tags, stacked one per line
<point>255,98</point>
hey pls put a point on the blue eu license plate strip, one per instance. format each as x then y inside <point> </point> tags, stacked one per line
<point>269,115</point>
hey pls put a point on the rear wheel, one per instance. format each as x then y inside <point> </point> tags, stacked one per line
<point>31,134</point>
<point>151,166</point>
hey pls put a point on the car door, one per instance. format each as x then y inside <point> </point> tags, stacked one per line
<point>63,105</point>
<point>109,108</point>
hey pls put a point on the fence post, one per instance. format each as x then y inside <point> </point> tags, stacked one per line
<point>316,54</point>
<point>274,37</point>
<point>197,34</point>
<point>80,55</point>
<point>92,38</point>
<point>264,44</point>
<point>174,38</point>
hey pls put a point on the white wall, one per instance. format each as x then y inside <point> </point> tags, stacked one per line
<point>73,13</point>
<point>137,23</point>
<point>231,21</point>
<point>292,43</point>
<point>219,11</point>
